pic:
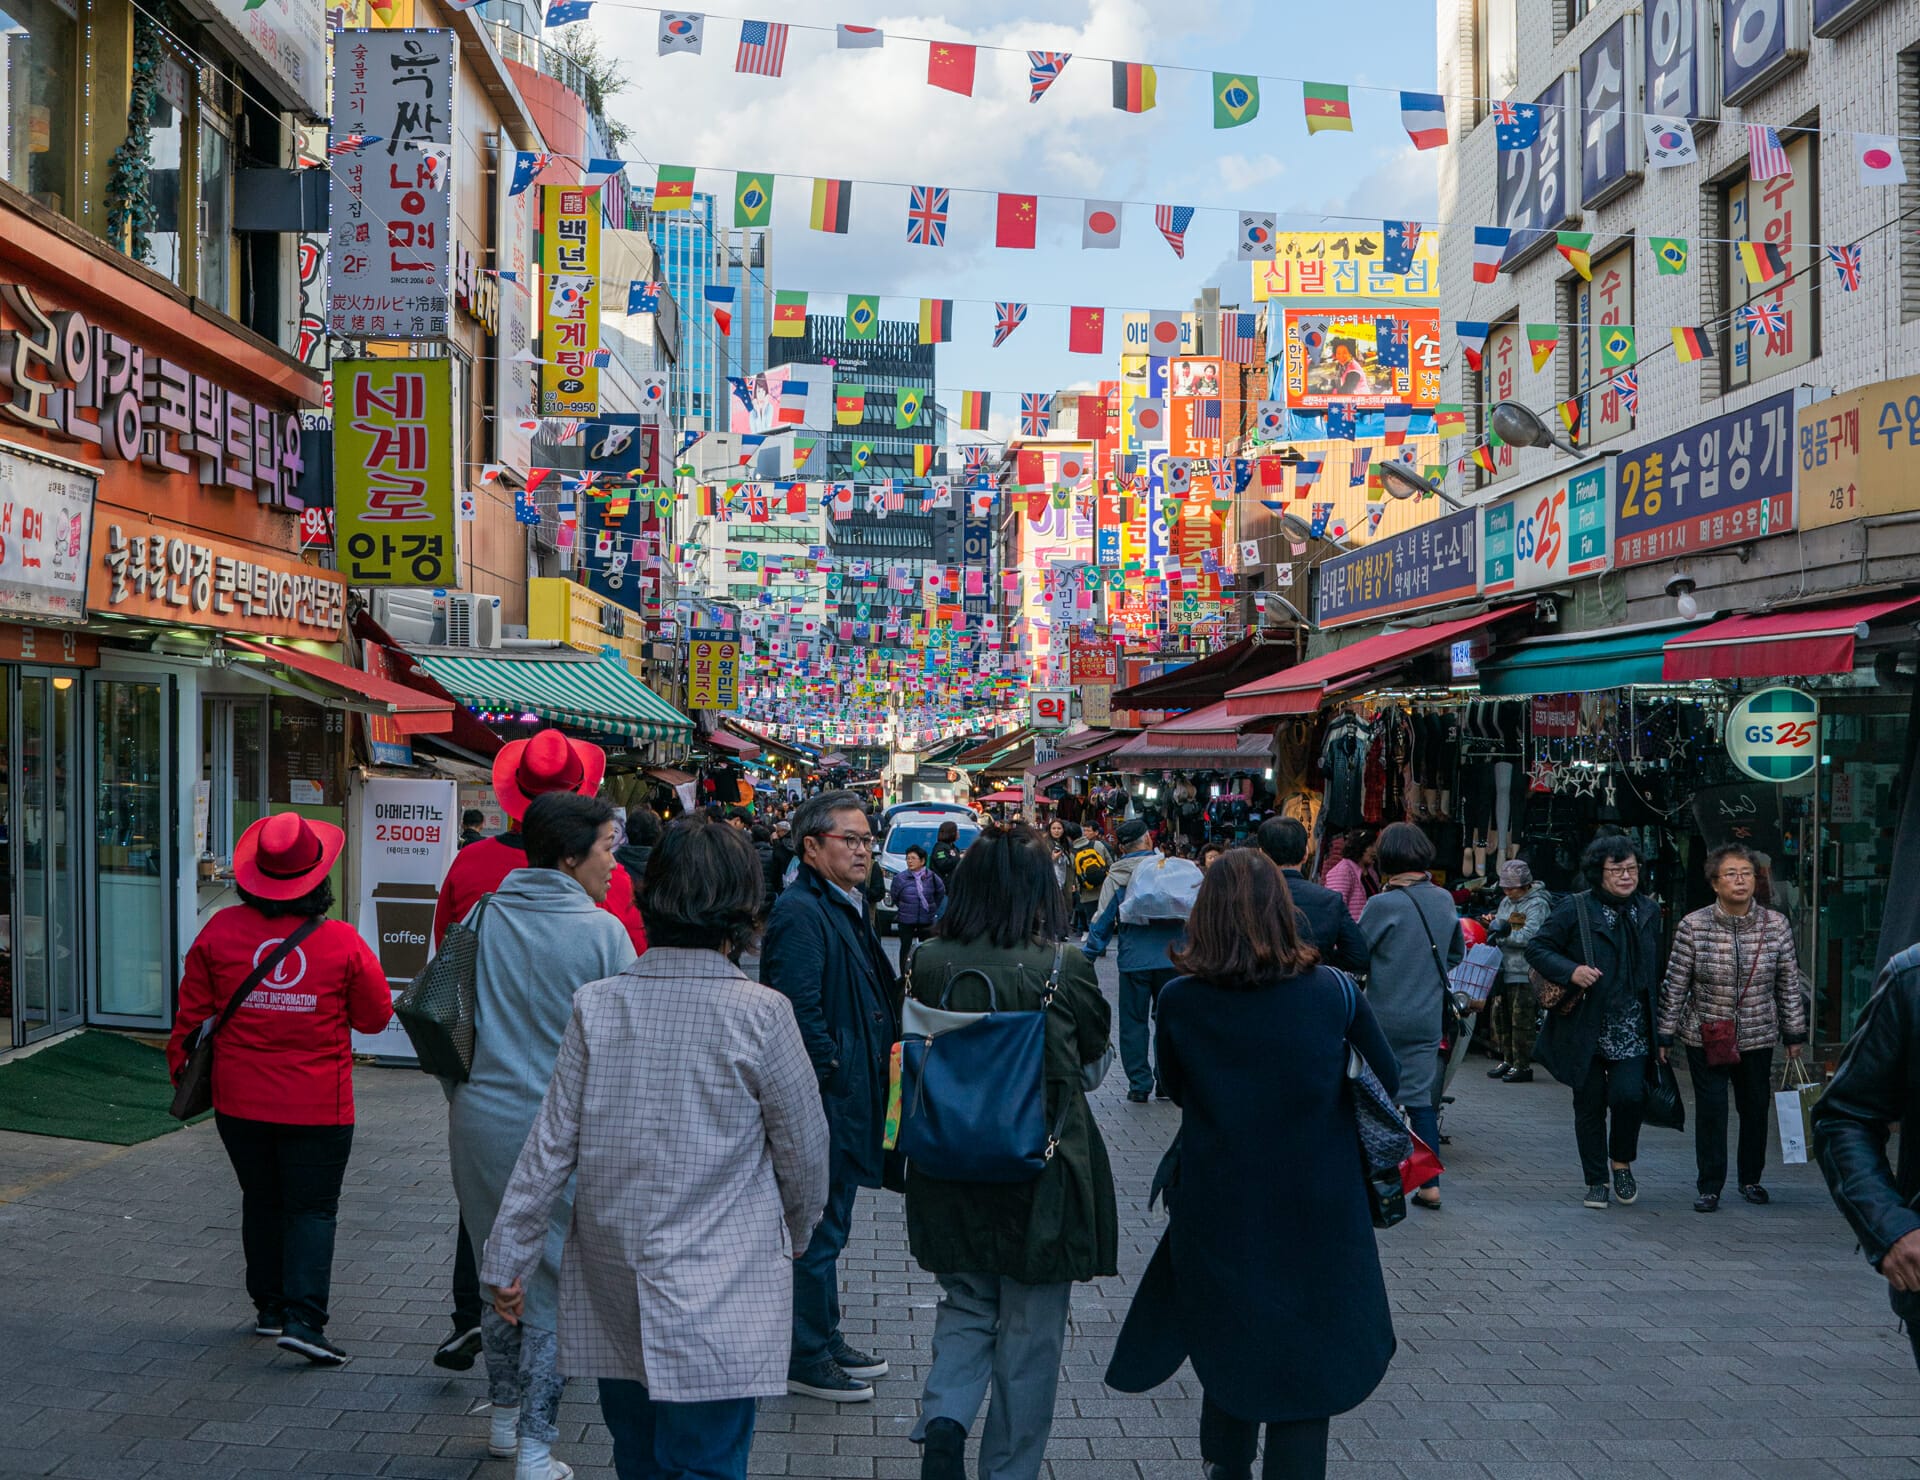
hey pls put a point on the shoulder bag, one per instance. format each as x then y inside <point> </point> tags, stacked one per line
<point>193,1090</point>
<point>439,1005</point>
<point>1447,984</point>
<point>1564,998</point>
<point>1720,1037</point>
<point>1385,1141</point>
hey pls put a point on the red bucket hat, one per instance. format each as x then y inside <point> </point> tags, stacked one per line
<point>285,856</point>
<point>548,761</point>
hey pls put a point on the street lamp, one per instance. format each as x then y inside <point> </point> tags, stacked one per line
<point>1402,482</point>
<point>1519,426</point>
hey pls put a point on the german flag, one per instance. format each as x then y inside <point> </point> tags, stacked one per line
<point>1570,417</point>
<point>709,501</point>
<point>789,315</point>
<point>973,410</point>
<point>674,192</point>
<point>922,459</point>
<point>1762,260</point>
<point>832,205</point>
<point>1691,344</point>
<point>1133,87</point>
<point>936,320</point>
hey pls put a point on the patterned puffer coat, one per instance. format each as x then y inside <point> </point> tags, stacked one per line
<point>1718,958</point>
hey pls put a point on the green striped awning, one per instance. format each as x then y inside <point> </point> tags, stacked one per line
<point>593,693</point>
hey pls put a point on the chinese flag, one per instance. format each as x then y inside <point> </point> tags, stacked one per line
<point>1093,418</point>
<point>1086,329</point>
<point>796,498</point>
<point>1017,217</point>
<point>950,67</point>
<point>1031,468</point>
<point>1039,502</point>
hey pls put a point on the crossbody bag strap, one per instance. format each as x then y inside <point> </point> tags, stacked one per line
<point>266,968</point>
<point>1427,930</point>
<point>1586,928</point>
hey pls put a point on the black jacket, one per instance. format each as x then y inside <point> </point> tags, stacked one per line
<point>1877,1083</point>
<point>822,955</point>
<point>1325,923</point>
<point>1567,1045</point>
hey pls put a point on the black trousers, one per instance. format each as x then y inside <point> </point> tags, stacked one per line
<point>1614,1089</point>
<point>466,1283</point>
<point>910,936</point>
<point>1752,1083</point>
<point>290,1179</point>
<point>1295,1451</point>
<point>1913,1331</point>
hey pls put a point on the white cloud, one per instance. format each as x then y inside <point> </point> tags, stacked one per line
<point>1242,171</point>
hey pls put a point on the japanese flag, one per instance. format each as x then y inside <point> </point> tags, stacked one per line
<point>1879,158</point>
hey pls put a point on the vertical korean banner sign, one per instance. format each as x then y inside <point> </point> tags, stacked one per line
<point>713,671</point>
<point>393,472</point>
<point>570,262</point>
<point>407,839</point>
<point>390,258</point>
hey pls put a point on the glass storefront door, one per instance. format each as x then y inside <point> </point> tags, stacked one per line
<point>134,865</point>
<point>43,949</point>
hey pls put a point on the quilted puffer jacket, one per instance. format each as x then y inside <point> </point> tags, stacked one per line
<point>1714,958</point>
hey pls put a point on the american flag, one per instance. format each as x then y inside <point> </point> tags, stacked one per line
<point>1173,222</point>
<point>1766,315</point>
<point>1036,413</point>
<point>1237,344</point>
<point>1206,417</point>
<point>927,216</point>
<point>1626,385</point>
<point>763,48</point>
<point>1044,69</point>
<point>1765,157</point>
<point>1007,318</point>
<point>1846,263</point>
<point>351,144</point>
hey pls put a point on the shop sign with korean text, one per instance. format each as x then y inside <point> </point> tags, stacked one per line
<point>518,381</point>
<point>407,834</point>
<point>1774,735</point>
<point>1093,662</point>
<point>1779,211</point>
<point>284,43</point>
<point>713,671</point>
<point>569,300</point>
<point>1723,481</point>
<point>46,535</point>
<point>1859,453</point>
<point>393,471</point>
<point>1554,531</point>
<point>390,257</point>
<point>1369,360</point>
<point>1050,710</point>
<point>1339,265</point>
<point>176,577</point>
<point>1428,565</point>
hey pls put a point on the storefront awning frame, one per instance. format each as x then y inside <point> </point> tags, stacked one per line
<point>1804,643</point>
<point>412,712</point>
<point>591,693</point>
<point>1580,663</point>
<point>1249,753</point>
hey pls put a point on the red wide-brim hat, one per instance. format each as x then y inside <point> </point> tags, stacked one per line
<point>286,855</point>
<point>547,761</point>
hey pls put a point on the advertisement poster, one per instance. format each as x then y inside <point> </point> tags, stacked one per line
<point>46,532</point>
<point>407,832</point>
<point>390,251</point>
<point>1094,662</point>
<point>393,471</point>
<point>570,312</point>
<point>713,671</point>
<point>1344,264</point>
<point>786,396</point>
<point>1551,532</point>
<point>1719,482</point>
<point>1391,358</point>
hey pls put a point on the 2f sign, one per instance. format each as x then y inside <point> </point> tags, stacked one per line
<point>1050,709</point>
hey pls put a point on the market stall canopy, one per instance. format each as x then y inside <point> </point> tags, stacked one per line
<point>1067,760</point>
<point>1795,644</point>
<point>1302,689</point>
<point>397,664</point>
<point>732,744</point>
<point>1206,680</point>
<point>984,755</point>
<point>1001,797</point>
<point>412,712</point>
<point>1576,665</point>
<point>1248,753</point>
<point>580,691</point>
<point>1211,728</point>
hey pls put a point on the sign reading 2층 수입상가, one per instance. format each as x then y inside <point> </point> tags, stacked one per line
<point>1428,565</point>
<point>1723,481</point>
<point>393,471</point>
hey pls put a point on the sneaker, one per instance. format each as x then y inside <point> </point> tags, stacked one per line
<point>1597,1195</point>
<point>269,1322</point>
<point>1707,1202</point>
<point>824,1380</point>
<point>1754,1193</point>
<point>458,1351</point>
<point>536,1462</point>
<point>1137,1097</point>
<point>503,1434</point>
<point>858,1363</point>
<point>1499,1071</point>
<point>311,1345</point>
<point>943,1452</point>
<point>1624,1187</point>
<point>1517,1076</point>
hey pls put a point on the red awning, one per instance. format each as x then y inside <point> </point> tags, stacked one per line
<point>1068,759</point>
<point>413,712</point>
<point>1797,644</point>
<point>1211,728</point>
<point>1001,797</point>
<point>1243,753</point>
<point>1300,690</point>
<point>721,740</point>
<point>1207,679</point>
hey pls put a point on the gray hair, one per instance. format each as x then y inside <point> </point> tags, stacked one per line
<point>814,819</point>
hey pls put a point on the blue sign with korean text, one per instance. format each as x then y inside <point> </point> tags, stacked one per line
<point>1719,482</point>
<point>1831,17</point>
<point>1428,565</point>
<point>1759,40</point>
<point>1611,142</point>
<point>1531,193</point>
<point>1680,59</point>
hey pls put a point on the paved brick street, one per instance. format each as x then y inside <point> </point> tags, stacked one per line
<point>1537,1338</point>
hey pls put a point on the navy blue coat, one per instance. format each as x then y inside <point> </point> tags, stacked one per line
<point>822,955</point>
<point>1268,1279</point>
<point>1325,923</point>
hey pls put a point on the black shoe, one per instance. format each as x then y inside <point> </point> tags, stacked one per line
<point>1160,1094</point>
<point>311,1345</point>
<point>1754,1193</point>
<point>458,1351</point>
<point>1597,1196</point>
<point>1500,1070</point>
<point>1229,1472</point>
<point>824,1379</point>
<point>1707,1202</point>
<point>943,1452</point>
<point>1625,1189</point>
<point>858,1363</point>
<point>1517,1076</point>
<point>1137,1097</point>
<point>269,1321</point>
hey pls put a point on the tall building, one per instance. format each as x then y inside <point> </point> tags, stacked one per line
<point>686,244</point>
<point>742,260</point>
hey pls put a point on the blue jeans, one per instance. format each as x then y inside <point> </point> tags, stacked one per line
<point>1426,1125</point>
<point>675,1441</point>
<point>816,1280</point>
<point>1139,991</point>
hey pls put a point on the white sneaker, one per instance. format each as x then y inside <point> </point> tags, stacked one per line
<point>537,1463</point>
<point>503,1439</point>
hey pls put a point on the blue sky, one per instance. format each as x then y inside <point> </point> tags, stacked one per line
<point>870,116</point>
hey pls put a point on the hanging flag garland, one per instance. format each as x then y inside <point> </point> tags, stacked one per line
<point>1044,69</point>
<point>1327,107</point>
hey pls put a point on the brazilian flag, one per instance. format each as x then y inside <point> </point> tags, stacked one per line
<point>906,408</point>
<point>863,316</point>
<point>752,199</point>
<point>1236,99</point>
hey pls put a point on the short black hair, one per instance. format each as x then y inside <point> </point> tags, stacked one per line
<point>316,901</point>
<point>1404,849</point>
<point>916,851</point>
<point>949,832</point>
<point>1608,848</point>
<point>561,825</point>
<point>1004,892</point>
<point>472,817</point>
<point>704,888</point>
<point>644,826</point>
<point>1730,850</point>
<point>1284,841</point>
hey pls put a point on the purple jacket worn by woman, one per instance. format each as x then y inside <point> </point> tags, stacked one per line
<point>917,895</point>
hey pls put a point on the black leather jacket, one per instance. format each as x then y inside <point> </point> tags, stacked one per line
<point>1877,1083</point>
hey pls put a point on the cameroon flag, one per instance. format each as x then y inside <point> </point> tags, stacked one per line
<point>1327,107</point>
<point>789,315</point>
<point>832,205</point>
<point>674,192</point>
<point>1577,248</point>
<point>936,320</point>
<point>849,404</point>
<point>1133,87</point>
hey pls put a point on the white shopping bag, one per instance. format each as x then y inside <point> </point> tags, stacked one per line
<point>1793,1106</point>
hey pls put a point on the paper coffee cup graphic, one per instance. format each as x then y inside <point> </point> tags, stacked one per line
<point>403,917</point>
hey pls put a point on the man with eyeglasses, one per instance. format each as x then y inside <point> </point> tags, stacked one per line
<point>821,953</point>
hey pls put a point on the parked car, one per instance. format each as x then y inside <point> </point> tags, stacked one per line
<point>952,809</point>
<point>916,826</point>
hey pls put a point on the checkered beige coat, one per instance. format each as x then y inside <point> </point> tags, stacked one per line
<point>684,1100</point>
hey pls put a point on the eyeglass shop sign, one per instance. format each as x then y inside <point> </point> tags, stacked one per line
<point>1428,565</point>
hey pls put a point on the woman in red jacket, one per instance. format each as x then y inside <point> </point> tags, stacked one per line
<point>283,1065</point>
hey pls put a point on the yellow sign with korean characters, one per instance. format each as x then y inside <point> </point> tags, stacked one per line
<point>570,300</point>
<point>1859,453</point>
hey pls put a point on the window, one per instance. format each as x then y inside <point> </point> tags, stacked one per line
<point>1498,48</point>
<point>1783,213</point>
<point>216,210</point>
<point>39,109</point>
<point>167,149</point>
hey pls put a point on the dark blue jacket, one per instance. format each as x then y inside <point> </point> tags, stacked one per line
<point>821,954</point>
<point>1325,923</point>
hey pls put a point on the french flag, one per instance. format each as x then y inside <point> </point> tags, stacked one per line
<point>1424,116</point>
<point>1489,246</point>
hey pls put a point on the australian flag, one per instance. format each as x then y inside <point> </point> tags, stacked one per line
<point>1515,125</point>
<point>565,12</point>
<point>643,297</point>
<point>1390,343</point>
<point>1402,241</point>
<point>526,165</point>
<point>1340,421</point>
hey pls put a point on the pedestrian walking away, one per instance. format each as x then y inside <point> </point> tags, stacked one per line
<point>1142,949</point>
<point>283,1077</point>
<point>1265,1162</point>
<point>1732,990</point>
<point>820,952</point>
<point>1320,915</point>
<point>1413,944</point>
<point>1524,907</point>
<point>685,1112</point>
<point>542,934</point>
<point>1603,944</point>
<point>917,894</point>
<point>1007,1254</point>
<point>1346,876</point>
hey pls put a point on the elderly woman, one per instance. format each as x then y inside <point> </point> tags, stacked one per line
<point>1523,909</point>
<point>1732,964</point>
<point>542,933</point>
<point>684,1102</point>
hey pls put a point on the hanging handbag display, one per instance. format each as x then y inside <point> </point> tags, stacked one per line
<point>439,1005</point>
<point>1564,998</point>
<point>193,1090</point>
<point>1720,1037</point>
<point>1385,1142</point>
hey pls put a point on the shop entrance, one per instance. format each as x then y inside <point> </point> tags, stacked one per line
<point>41,950</point>
<point>134,868</point>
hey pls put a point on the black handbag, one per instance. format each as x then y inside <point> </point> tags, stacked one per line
<point>1663,1107</point>
<point>193,1090</point>
<point>438,1008</point>
<point>1385,1141</point>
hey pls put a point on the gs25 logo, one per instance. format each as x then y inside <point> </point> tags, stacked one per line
<point>1792,734</point>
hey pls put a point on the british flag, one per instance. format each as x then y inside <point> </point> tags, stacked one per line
<point>927,216</point>
<point>1206,417</point>
<point>1036,413</point>
<point>1626,385</point>
<point>1766,316</point>
<point>1173,222</point>
<point>1044,69</point>
<point>1237,343</point>
<point>1846,263</point>
<point>1007,318</point>
<point>976,461</point>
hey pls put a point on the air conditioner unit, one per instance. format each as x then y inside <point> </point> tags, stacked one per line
<point>468,620</point>
<point>408,616</point>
